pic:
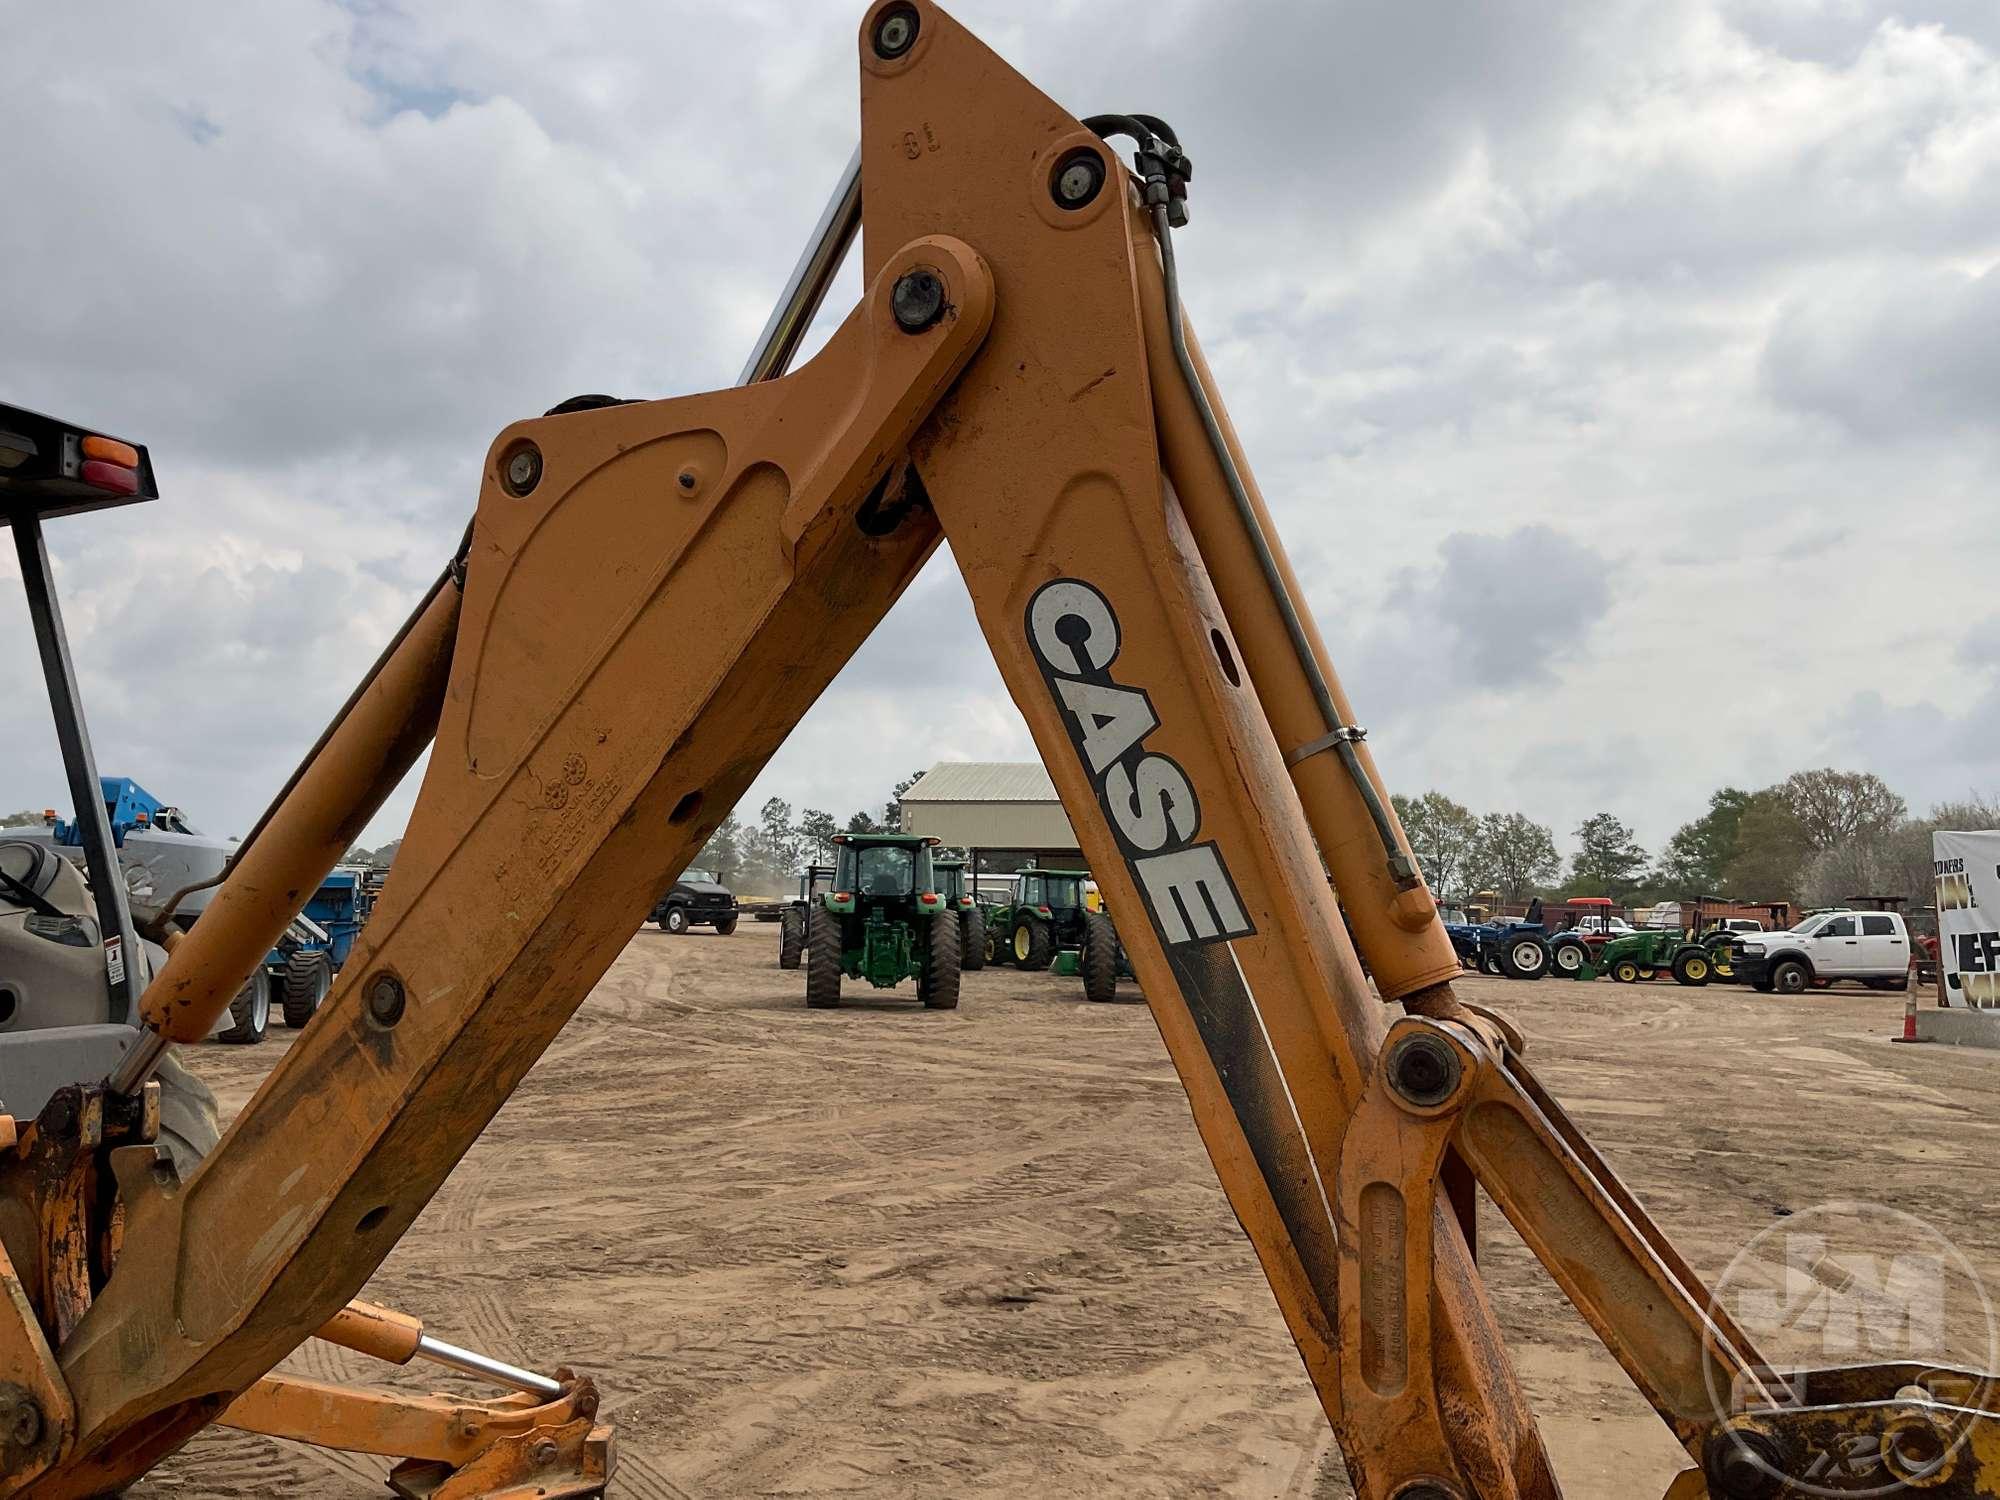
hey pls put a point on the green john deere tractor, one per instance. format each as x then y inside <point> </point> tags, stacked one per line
<point>814,882</point>
<point>883,921</point>
<point>1042,917</point>
<point>1641,955</point>
<point>951,884</point>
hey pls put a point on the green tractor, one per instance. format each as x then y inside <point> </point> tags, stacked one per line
<point>1043,917</point>
<point>1642,955</point>
<point>883,921</point>
<point>951,884</point>
<point>814,882</point>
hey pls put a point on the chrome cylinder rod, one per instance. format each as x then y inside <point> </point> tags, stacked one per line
<point>469,1362</point>
<point>809,281</point>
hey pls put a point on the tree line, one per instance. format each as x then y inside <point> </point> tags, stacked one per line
<point>1817,838</point>
<point>768,852</point>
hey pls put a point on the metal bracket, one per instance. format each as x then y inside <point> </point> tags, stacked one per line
<point>1346,734</point>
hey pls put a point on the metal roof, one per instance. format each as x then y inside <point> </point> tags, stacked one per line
<point>983,781</point>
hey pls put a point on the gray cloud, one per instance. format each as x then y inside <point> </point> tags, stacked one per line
<point>1561,335</point>
<point>1900,354</point>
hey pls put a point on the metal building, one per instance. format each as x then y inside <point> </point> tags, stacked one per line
<point>1005,814</point>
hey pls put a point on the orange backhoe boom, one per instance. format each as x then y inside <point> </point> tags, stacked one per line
<point>653,594</point>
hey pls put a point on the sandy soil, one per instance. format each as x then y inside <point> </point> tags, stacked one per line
<point>888,1252</point>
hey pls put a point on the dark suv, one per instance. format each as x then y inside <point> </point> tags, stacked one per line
<point>698,899</point>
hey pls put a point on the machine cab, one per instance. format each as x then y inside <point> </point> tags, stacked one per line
<point>951,883</point>
<point>1049,890</point>
<point>883,867</point>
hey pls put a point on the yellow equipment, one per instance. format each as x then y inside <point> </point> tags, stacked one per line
<point>652,595</point>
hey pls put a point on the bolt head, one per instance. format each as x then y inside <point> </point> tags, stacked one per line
<point>24,1423</point>
<point>386,999</point>
<point>895,32</point>
<point>544,1453</point>
<point>1424,1070</point>
<point>917,300</point>
<point>1078,179</point>
<point>522,469</point>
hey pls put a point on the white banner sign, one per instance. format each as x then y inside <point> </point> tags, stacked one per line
<point>1967,866</point>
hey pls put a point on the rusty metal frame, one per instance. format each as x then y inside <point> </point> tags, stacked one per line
<point>450,1448</point>
<point>653,595</point>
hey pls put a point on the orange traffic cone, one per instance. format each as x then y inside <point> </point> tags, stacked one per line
<point>1910,1016</point>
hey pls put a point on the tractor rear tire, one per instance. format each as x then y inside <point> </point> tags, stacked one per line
<point>190,1124</point>
<point>1691,966</point>
<point>791,939</point>
<point>822,961</point>
<point>1791,978</point>
<point>972,939</point>
<point>1034,945</point>
<point>249,1012</point>
<point>1524,957</point>
<point>308,979</point>
<point>937,985</point>
<point>1098,959</point>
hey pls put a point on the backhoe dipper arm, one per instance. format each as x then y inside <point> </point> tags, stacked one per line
<point>656,592</point>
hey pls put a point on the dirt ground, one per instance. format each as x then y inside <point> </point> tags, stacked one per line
<point>890,1252</point>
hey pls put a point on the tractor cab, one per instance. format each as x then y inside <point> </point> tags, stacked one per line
<point>814,881</point>
<point>71,962</point>
<point>951,883</point>
<point>878,866</point>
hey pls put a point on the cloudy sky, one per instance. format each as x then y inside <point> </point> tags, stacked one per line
<point>1622,371</point>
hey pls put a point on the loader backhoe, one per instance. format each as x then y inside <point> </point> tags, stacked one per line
<point>651,595</point>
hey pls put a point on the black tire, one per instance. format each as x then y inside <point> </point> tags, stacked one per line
<point>1625,971</point>
<point>1489,963</point>
<point>1524,956</point>
<point>791,939</point>
<point>249,1012</point>
<point>822,960</point>
<point>675,921</point>
<point>1899,984</point>
<point>1691,966</point>
<point>726,926</point>
<point>1033,947</point>
<point>190,1124</point>
<point>308,979</point>
<point>1791,978</point>
<point>937,984</point>
<point>1098,958</point>
<point>972,944</point>
<point>1762,986</point>
<point>1566,958</point>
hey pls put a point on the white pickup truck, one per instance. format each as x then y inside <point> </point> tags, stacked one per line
<point>1868,947</point>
